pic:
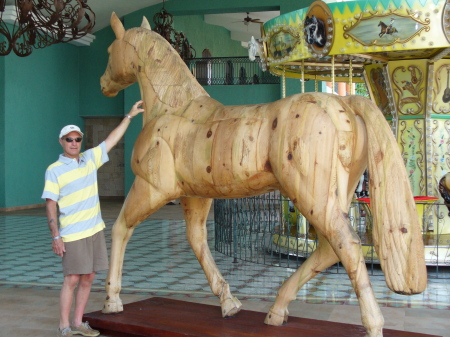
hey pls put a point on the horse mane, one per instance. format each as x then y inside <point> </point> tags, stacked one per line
<point>164,69</point>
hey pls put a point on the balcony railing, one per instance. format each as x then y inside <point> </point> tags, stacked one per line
<point>230,71</point>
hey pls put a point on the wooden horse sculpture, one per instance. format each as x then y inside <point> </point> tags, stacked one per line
<point>313,147</point>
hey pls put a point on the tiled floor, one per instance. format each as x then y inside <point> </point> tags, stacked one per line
<point>159,262</point>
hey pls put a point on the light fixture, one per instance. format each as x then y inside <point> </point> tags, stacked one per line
<point>163,26</point>
<point>36,24</point>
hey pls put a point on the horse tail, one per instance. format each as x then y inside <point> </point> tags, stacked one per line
<point>396,231</point>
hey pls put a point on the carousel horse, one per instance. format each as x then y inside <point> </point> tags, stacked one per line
<point>313,147</point>
<point>315,31</point>
<point>386,29</point>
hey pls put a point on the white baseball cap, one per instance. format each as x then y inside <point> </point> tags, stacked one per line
<point>68,129</point>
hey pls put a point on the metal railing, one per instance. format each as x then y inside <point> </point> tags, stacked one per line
<point>230,71</point>
<point>267,230</point>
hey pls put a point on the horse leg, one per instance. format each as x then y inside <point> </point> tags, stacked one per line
<point>142,200</point>
<point>347,247</point>
<point>322,258</point>
<point>196,212</point>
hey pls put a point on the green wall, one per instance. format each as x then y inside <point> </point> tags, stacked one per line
<point>200,34</point>
<point>2,134</point>
<point>294,86</point>
<point>204,36</point>
<point>59,85</point>
<point>93,61</point>
<point>192,7</point>
<point>244,94</point>
<point>41,96</point>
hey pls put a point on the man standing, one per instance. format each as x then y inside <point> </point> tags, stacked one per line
<point>71,184</point>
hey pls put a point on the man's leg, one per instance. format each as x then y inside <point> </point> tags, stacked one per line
<point>82,296</point>
<point>66,298</point>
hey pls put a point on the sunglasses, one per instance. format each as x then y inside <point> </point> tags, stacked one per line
<point>70,139</point>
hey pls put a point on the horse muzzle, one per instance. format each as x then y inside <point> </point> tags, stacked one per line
<point>108,87</point>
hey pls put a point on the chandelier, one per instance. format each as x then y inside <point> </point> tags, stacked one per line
<point>163,26</point>
<point>36,24</point>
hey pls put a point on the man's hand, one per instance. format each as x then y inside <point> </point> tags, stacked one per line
<point>136,108</point>
<point>58,247</point>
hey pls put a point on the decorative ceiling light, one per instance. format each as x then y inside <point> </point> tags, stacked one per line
<point>32,24</point>
<point>163,26</point>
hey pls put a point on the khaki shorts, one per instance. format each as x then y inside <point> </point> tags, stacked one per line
<point>86,255</point>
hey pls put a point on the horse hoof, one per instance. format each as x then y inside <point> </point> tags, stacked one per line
<point>111,307</point>
<point>276,319</point>
<point>230,307</point>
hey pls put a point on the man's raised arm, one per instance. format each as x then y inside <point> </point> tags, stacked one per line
<point>116,134</point>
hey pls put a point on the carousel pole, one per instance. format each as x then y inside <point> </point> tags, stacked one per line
<point>350,81</point>
<point>303,76</point>
<point>332,74</point>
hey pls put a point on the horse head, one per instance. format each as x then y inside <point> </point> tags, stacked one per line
<point>315,31</point>
<point>120,72</point>
<point>310,29</point>
<point>142,55</point>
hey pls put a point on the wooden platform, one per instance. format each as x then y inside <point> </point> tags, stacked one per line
<point>167,317</point>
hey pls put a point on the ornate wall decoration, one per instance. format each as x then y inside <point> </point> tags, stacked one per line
<point>283,42</point>
<point>440,156</point>
<point>412,144</point>
<point>407,83</point>
<point>441,90</point>
<point>379,88</point>
<point>446,21</point>
<point>386,29</point>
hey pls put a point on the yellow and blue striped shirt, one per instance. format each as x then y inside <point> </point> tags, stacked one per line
<point>73,185</point>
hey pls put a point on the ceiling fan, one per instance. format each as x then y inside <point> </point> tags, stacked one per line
<point>249,20</point>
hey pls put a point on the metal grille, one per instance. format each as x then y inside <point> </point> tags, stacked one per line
<point>267,229</point>
<point>230,71</point>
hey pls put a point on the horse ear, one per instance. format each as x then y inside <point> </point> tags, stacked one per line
<point>145,24</point>
<point>117,26</point>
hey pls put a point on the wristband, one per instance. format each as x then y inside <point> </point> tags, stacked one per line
<point>57,237</point>
<point>128,116</point>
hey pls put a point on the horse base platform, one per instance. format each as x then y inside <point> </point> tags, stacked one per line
<point>164,317</point>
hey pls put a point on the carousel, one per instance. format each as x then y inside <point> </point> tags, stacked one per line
<point>401,51</point>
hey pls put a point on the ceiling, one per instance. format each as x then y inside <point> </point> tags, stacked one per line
<point>234,22</point>
<point>104,8</point>
<point>231,21</point>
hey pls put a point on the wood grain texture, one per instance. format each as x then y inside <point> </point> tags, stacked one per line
<point>167,317</point>
<point>313,147</point>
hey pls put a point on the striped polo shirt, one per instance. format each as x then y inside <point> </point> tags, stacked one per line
<point>73,185</point>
